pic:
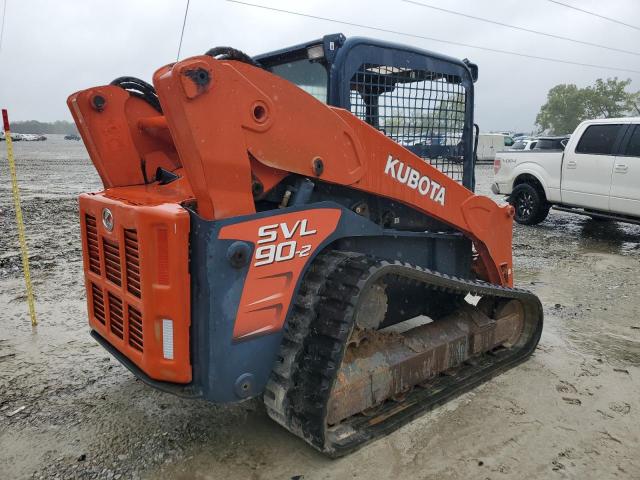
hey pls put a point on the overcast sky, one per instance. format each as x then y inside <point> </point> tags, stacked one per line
<point>51,49</point>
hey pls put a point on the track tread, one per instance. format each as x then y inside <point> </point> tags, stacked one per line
<point>317,332</point>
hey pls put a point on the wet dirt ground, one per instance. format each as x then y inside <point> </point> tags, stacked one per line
<point>68,410</point>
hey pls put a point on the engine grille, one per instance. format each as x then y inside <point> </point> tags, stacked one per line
<point>98,303</point>
<point>109,304</point>
<point>132,259</point>
<point>92,244</point>
<point>135,329</point>
<point>112,261</point>
<point>116,319</point>
<point>421,110</point>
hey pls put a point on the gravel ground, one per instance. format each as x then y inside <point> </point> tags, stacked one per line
<point>68,410</point>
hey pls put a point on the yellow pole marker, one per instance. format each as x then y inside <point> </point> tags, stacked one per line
<point>16,201</point>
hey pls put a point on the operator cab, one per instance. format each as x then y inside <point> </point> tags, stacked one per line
<point>422,100</point>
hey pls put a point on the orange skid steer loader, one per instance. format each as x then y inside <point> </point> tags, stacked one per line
<point>301,226</point>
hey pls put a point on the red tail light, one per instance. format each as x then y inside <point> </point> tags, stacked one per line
<point>496,166</point>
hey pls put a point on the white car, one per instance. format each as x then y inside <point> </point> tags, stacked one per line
<point>524,144</point>
<point>29,137</point>
<point>597,174</point>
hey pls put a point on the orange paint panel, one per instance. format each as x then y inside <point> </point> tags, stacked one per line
<point>177,192</point>
<point>246,112</point>
<point>269,177</point>
<point>135,284</point>
<point>115,142</point>
<point>270,121</point>
<point>283,244</point>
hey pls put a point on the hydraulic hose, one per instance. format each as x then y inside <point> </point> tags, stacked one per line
<point>139,88</point>
<point>229,53</point>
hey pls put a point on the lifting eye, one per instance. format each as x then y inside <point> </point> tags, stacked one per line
<point>259,113</point>
<point>98,102</point>
<point>318,166</point>
<point>200,77</point>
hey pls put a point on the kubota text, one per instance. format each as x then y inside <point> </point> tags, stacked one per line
<point>414,179</point>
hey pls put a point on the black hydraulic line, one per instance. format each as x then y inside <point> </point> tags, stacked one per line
<point>230,53</point>
<point>139,88</point>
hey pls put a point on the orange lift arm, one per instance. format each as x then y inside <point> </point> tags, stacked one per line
<point>232,123</point>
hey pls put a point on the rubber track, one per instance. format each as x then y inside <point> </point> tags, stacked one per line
<point>315,338</point>
<point>296,329</point>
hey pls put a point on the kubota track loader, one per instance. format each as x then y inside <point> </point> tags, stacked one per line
<point>301,226</point>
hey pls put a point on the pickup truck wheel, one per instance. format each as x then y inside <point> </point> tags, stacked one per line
<point>530,205</point>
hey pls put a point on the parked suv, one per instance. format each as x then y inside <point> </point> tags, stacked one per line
<point>597,174</point>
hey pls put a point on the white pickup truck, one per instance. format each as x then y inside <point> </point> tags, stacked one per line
<point>597,174</point>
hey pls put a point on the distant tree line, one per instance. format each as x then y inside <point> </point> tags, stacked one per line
<point>33,126</point>
<point>567,105</point>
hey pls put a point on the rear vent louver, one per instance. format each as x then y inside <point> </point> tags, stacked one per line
<point>135,329</point>
<point>163,256</point>
<point>112,261</point>
<point>98,303</point>
<point>93,249</point>
<point>115,296</point>
<point>132,259</point>
<point>116,318</point>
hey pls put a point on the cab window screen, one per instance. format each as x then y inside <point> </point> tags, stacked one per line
<point>309,76</point>
<point>598,139</point>
<point>422,110</point>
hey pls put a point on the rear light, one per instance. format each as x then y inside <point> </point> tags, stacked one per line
<point>167,339</point>
<point>496,166</point>
<point>315,52</point>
